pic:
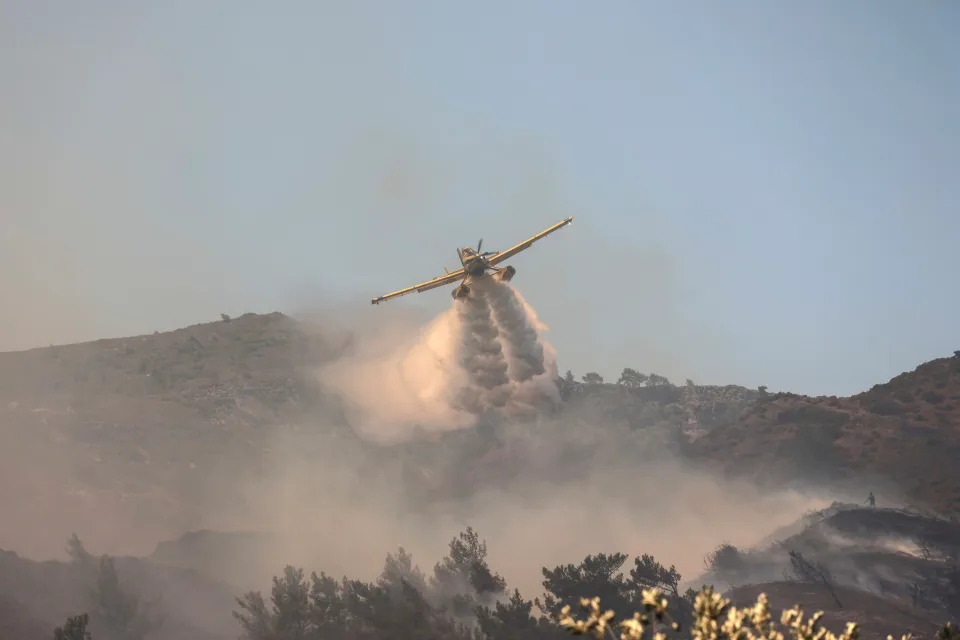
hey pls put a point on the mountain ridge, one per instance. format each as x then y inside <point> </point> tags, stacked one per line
<point>147,425</point>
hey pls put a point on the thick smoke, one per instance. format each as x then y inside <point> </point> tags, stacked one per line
<point>484,357</point>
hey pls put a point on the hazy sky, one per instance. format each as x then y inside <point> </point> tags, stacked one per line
<point>764,193</point>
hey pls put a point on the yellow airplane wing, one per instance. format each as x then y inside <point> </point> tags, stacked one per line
<point>448,278</point>
<point>512,251</point>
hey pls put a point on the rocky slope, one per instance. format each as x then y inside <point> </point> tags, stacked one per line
<point>132,440</point>
<point>135,430</point>
<point>146,431</point>
<point>904,433</point>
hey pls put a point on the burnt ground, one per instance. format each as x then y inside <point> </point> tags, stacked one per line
<point>904,434</point>
<point>886,566</point>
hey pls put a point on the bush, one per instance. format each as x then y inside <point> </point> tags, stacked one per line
<point>714,619</point>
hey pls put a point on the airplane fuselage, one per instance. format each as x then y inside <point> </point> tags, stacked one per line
<point>476,267</point>
<point>473,264</point>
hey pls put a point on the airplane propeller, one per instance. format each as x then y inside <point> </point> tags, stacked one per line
<point>485,253</point>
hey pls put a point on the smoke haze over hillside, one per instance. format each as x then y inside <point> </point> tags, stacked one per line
<point>569,482</point>
<point>484,357</point>
<point>542,487</point>
<point>567,489</point>
<point>162,165</point>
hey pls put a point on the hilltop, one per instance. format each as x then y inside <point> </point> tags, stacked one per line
<point>144,428</point>
<point>904,433</point>
<point>140,439</point>
<point>149,429</point>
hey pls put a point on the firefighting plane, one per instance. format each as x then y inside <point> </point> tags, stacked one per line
<point>475,266</point>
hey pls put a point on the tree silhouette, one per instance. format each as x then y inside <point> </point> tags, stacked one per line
<point>77,553</point>
<point>592,378</point>
<point>122,613</point>
<point>656,380</point>
<point>464,574</point>
<point>514,620</point>
<point>74,629</point>
<point>598,574</point>
<point>632,378</point>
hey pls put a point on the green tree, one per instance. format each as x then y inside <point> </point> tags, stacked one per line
<point>726,562</point>
<point>598,574</point>
<point>656,380</point>
<point>289,617</point>
<point>74,629</point>
<point>513,620</point>
<point>647,573</point>
<point>592,378</point>
<point>632,378</point>
<point>123,615</point>
<point>326,609</point>
<point>464,574</point>
<point>398,569</point>
<point>77,553</point>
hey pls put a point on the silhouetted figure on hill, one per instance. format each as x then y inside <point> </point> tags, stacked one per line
<point>871,500</point>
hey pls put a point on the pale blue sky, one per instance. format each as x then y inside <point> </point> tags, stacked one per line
<point>764,193</point>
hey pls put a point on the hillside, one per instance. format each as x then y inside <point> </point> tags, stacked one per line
<point>132,441</point>
<point>905,433</point>
<point>141,430</point>
<point>884,568</point>
<point>148,431</point>
<point>156,433</point>
<point>893,571</point>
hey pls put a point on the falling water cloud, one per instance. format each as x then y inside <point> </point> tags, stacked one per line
<point>484,356</point>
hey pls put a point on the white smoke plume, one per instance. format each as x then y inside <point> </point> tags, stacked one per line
<point>483,357</point>
<point>520,336</point>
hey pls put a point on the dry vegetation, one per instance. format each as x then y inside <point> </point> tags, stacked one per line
<point>716,617</point>
<point>132,430</point>
<point>905,432</point>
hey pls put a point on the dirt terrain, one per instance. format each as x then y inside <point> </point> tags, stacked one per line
<point>146,431</point>
<point>140,430</point>
<point>904,433</point>
<point>134,441</point>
